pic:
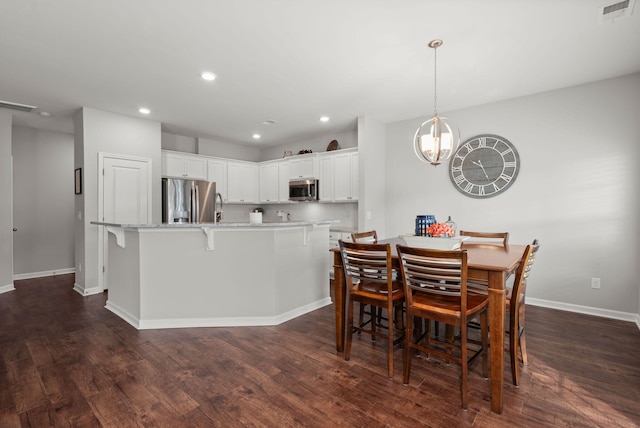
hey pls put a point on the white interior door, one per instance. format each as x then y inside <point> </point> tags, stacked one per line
<point>126,198</point>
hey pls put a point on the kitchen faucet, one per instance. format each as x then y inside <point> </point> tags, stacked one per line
<point>219,210</point>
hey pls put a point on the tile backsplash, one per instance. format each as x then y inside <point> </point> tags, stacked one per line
<point>347,212</point>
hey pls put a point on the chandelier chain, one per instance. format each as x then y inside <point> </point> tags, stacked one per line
<point>435,80</point>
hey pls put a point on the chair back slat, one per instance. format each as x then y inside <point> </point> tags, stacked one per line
<point>501,238</point>
<point>434,272</point>
<point>366,262</point>
<point>370,237</point>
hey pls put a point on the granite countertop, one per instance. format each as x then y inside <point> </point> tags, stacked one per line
<point>222,225</point>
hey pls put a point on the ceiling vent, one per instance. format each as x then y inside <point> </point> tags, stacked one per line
<point>16,106</point>
<point>612,11</point>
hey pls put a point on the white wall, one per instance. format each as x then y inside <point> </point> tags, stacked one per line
<point>6,224</point>
<point>372,176</point>
<point>577,192</point>
<point>228,150</point>
<point>98,131</point>
<point>43,202</point>
<point>346,140</point>
<point>179,143</point>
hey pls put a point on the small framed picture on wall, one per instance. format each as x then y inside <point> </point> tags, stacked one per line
<point>78,181</point>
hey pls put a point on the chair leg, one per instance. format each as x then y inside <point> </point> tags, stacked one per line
<point>464,366</point>
<point>484,337</point>
<point>360,317</point>
<point>513,350</point>
<point>347,348</point>
<point>390,333</point>
<point>521,336</point>
<point>408,338</point>
<point>374,321</point>
<point>450,335</point>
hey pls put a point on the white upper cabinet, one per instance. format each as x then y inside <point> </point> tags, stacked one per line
<point>345,185</point>
<point>269,182</point>
<point>304,167</point>
<point>242,182</point>
<point>217,172</point>
<point>284,175</point>
<point>325,162</point>
<point>184,166</point>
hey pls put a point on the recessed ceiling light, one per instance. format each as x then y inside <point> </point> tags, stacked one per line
<point>207,75</point>
<point>144,110</point>
<point>324,119</point>
<point>256,136</point>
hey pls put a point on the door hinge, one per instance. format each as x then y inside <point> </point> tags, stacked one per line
<point>103,269</point>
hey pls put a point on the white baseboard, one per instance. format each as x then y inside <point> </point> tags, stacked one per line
<point>86,291</point>
<point>43,273</point>
<point>588,310</point>
<point>125,315</point>
<point>215,322</point>
<point>7,288</point>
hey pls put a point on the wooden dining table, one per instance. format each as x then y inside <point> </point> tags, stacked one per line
<point>488,262</point>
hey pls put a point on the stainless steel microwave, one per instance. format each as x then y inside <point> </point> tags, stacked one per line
<point>303,190</point>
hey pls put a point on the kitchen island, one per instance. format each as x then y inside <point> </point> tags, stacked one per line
<point>209,275</point>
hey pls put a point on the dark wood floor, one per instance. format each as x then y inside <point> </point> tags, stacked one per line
<point>67,361</point>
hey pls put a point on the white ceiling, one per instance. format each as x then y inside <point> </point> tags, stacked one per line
<point>294,60</point>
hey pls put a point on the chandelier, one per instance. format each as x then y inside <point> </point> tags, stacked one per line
<point>434,141</point>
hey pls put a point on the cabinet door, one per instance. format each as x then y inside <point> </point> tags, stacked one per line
<point>326,178</point>
<point>284,174</point>
<point>195,168</point>
<point>354,177</point>
<point>184,166</point>
<point>242,182</point>
<point>345,175</point>
<point>269,182</point>
<point>303,168</point>
<point>172,165</point>
<point>217,172</point>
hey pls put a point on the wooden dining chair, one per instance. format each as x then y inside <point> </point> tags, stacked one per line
<point>435,288</point>
<point>501,238</point>
<point>369,279</point>
<point>515,301</point>
<point>515,308</point>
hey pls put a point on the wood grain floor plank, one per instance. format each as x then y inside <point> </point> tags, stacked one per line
<point>67,361</point>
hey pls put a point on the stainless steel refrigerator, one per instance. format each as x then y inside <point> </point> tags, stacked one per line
<point>188,201</point>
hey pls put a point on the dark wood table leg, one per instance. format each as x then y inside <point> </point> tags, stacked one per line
<point>339,300</point>
<point>496,329</point>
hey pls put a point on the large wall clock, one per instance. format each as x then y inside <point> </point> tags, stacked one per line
<point>484,166</point>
